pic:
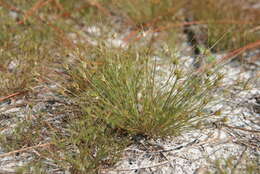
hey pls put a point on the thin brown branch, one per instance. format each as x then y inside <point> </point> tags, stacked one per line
<point>231,55</point>
<point>12,95</point>
<point>239,128</point>
<point>24,149</point>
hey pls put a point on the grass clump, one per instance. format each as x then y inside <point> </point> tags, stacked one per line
<point>125,94</point>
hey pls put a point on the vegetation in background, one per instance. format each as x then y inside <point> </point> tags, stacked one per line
<point>232,24</point>
<point>146,14</point>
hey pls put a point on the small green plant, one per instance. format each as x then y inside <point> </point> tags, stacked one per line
<point>124,93</point>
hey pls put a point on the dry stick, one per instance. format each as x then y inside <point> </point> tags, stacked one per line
<point>24,149</point>
<point>239,128</point>
<point>248,144</point>
<point>231,55</point>
<point>12,95</point>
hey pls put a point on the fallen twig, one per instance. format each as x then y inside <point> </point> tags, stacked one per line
<point>12,95</point>
<point>24,149</point>
<point>243,129</point>
<point>231,55</point>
